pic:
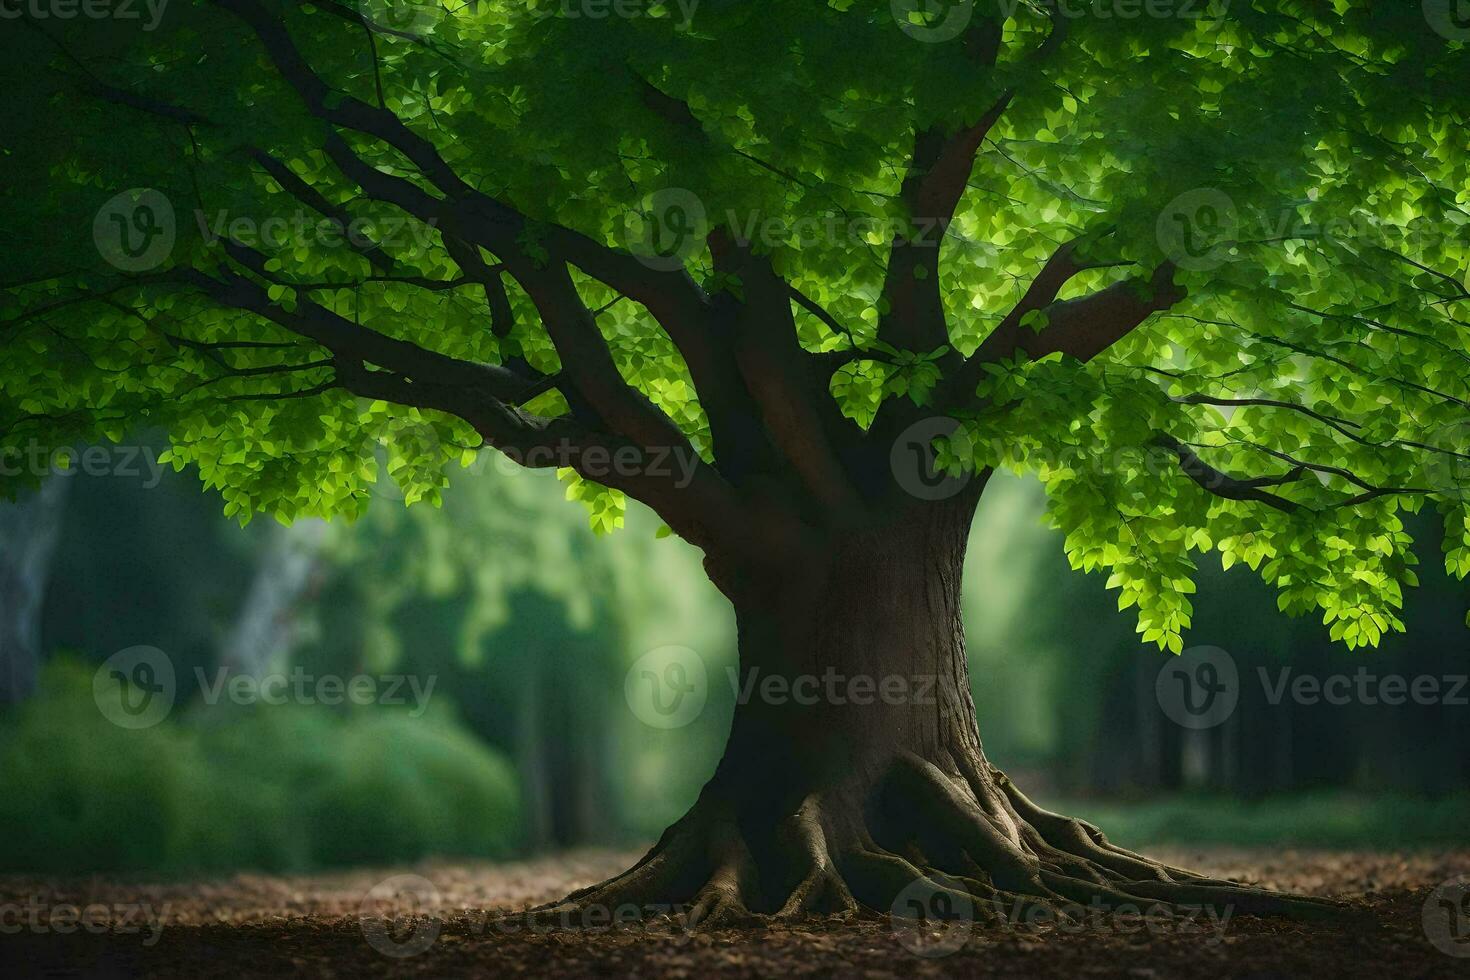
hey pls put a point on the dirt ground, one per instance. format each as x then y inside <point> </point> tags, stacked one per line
<point>442,920</point>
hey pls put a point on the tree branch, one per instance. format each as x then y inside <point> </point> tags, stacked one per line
<point>938,175</point>
<point>796,415</point>
<point>347,339</point>
<point>1224,485</point>
<point>314,199</point>
<point>588,368</point>
<point>1080,328</point>
<point>939,172</point>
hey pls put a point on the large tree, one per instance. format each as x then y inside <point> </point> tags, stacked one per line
<point>770,268</point>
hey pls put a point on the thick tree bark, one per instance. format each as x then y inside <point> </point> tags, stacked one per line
<point>854,769</point>
<point>851,660</point>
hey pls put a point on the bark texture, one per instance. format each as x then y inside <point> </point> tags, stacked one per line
<point>857,777</point>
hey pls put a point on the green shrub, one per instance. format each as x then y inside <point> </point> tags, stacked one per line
<point>278,788</point>
<point>1318,819</point>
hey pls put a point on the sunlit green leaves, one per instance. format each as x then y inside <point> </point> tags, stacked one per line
<point>1312,158</point>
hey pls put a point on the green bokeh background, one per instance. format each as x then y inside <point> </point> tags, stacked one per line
<point>528,622</point>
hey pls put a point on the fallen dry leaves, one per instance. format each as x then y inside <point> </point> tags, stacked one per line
<point>251,925</point>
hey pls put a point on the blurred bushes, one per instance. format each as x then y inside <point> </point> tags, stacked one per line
<point>275,788</point>
<point>1381,821</point>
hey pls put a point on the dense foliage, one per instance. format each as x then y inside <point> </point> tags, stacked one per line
<point>1202,272</point>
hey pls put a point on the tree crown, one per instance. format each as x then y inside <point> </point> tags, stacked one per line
<point>1197,265</point>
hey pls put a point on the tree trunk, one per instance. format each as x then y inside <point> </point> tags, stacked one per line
<point>854,773</point>
<point>265,630</point>
<point>29,528</point>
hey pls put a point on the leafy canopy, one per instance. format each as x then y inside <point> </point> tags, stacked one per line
<point>1200,266</point>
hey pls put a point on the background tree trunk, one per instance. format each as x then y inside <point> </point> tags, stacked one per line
<point>266,627</point>
<point>29,528</point>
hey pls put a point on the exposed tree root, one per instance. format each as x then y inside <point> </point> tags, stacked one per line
<point>969,844</point>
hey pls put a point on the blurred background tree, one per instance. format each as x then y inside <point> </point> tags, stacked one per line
<point>528,626</point>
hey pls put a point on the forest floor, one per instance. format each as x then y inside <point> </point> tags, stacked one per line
<point>314,926</point>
